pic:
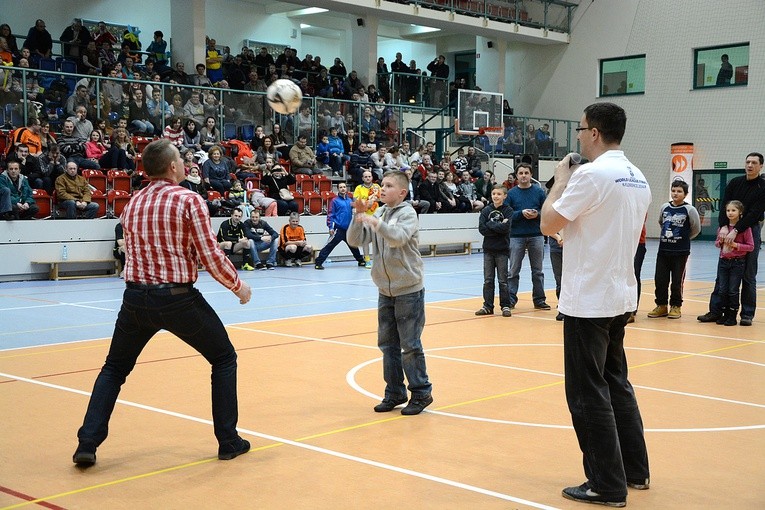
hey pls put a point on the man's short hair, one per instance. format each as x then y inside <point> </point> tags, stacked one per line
<point>678,183</point>
<point>523,165</point>
<point>609,119</point>
<point>400,177</point>
<point>158,33</point>
<point>157,156</point>
<point>756,155</point>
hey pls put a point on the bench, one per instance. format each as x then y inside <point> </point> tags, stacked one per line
<point>55,268</point>
<point>455,241</point>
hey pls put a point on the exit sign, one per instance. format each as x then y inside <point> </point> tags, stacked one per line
<point>721,165</point>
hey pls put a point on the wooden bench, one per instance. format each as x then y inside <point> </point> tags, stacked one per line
<point>455,241</point>
<point>55,267</point>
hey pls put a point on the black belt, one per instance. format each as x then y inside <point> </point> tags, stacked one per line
<point>174,288</point>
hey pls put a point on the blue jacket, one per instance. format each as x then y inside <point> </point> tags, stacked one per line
<point>335,145</point>
<point>340,212</point>
<point>519,199</point>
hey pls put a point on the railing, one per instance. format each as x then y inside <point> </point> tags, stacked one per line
<point>237,113</point>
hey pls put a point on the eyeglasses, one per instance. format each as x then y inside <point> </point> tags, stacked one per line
<point>582,129</point>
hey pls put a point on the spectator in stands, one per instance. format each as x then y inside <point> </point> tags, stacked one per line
<point>439,70</point>
<point>353,83</point>
<point>359,163</point>
<point>484,185</point>
<point>39,42</point>
<point>177,74</point>
<point>79,98</point>
<point>452,201</point>
<point>89,62</point>
<point>6,32</point>
<point>139,117</point>
<point>30,137</point>
<point>377,162</point>
<point>217,169</point>
<point>112,91</point>
<point>468,190</point>
<point>121,142</point>
<point>237,73</point>
<point>337,155</point>
<point>367,193</point>
<point>369,123</point>
<point>73,146</point>
<point>159,110</point>
<point>262,237</point>
<point>75,39</point>
<point>510,181</point>
<point>413,195</point>
<point>209,135</point>
<point>195,183</point>
<point>293,245</point>
<point>200,79</point>
<point>194,109</point>
<point>107,59</point>
<point>173,132</point>
<point>474,167</point>
<point>371,140</point>
<point>338,69</point>
<point>211,106</point>
<point>277,181</point>
<point>544,141</point>
<point>214,62</point>
<point>129,70</point>
<point>398,67</point>
<point>302,158</point>
<point>430,191</point>
<point>107,156</point>
<point>73,193</point>
<point>103,35</point>
<point>394,160</point>
<point>23,206</point>
<point>267,150</point>
<point>262,60</point>
<point>191,136</point>
<point>158,50</point>
<point>232,239</point>
<point>52,164</point>
<point>280,141</point>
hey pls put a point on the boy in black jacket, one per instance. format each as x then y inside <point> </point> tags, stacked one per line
<point>494,224</point>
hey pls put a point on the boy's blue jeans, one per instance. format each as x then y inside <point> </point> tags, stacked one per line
<point>401,320</point>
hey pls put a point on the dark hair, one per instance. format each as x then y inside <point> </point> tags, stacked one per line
<point>756,155</point>
<point>523,165</point>
<point>678,183</point>
<point>609,119</point>
<point>158,33</point>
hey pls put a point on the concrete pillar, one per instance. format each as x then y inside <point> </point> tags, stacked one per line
<point>490,66</point>
<point>364,49</point>
<point>188,25</point>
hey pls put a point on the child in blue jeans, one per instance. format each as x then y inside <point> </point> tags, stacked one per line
<point>398,273</point>
<point>730,266</point>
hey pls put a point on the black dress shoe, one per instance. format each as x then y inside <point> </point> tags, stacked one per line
<point>85,455</point>
<point>416,405</point>
<point>559,317</point>
<point>746,321</point>
<point>584,494</point>
<point>389,404</point>
<point>542,306</point>
<point>233,449</point>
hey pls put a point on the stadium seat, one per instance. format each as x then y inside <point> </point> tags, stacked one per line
<point>300,201</point>
<point>304,183</point>
<point>322,183</point>
<point>119,180</point>
<point>313,202</point>
<point>44,203</point>
<point>96,178</point>
<point>98,197</point>
<point>229,130</point>
<point>252,183</point>
<point>117,200</point>
<point>326,198</point>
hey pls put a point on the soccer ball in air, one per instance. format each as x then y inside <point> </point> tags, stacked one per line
<point>284,96</point>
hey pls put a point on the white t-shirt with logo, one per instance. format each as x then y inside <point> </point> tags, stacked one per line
<point>605,202</point>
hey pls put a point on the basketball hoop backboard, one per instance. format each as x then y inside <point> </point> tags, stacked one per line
<point>476,110</point>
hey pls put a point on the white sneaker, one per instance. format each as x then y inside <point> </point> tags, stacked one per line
<point>298,263</point>
<point>288,263</point>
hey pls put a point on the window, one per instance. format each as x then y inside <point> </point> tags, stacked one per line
<point>721,66</point>
<point>623,75</point>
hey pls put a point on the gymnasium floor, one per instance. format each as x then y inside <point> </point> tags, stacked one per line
<point>497,436</point>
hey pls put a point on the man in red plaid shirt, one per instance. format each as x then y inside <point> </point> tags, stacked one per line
<point>167,235</point>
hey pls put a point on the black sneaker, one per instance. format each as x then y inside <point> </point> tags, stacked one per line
<point>270,267</point>
<point>542,306</point>
<point>361,263</point>
<point>318,266</point>
<point>233,449</point>
<point>641,485</point>
<point>584,494</point>
<point>85,455</point>
<point>416,405</point>
<point>560,317</point>
<point>709,317</point>
<point>389,404</point>
<point>484,311</point>
<point>746,321</point>
<point>260,266</point>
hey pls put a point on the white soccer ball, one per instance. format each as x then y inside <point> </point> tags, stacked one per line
<point>284,96</point>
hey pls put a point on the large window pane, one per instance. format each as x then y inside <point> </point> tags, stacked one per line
<point>721,66</point>
<point>623,75</point>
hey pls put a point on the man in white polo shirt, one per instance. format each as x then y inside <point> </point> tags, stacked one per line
<point>600,206</point>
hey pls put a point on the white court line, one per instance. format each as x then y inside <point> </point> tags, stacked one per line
<point>305,446</point>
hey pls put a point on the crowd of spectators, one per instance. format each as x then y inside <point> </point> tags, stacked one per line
<point>142,94</point>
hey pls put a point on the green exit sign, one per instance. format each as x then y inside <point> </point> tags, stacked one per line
<point>721,164</point>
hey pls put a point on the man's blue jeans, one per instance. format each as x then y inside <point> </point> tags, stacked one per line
<point>748,284</point>
<point>259,246</point>
<point>536,248</point>
<point>495,262</point>
<point>603,407</point>
<point>400,321</point>
<point>70,208</point>
<point>186,315</point>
